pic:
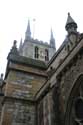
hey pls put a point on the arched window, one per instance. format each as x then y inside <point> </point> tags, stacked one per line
<point>74,109</point>
<point>36,52</point>
<point>46,55</point>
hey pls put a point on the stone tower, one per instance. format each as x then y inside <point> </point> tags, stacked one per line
<point>36,49</point>
<point>36,93</point>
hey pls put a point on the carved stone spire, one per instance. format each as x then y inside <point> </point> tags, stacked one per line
<point>14,49</point>
<point>1,78</point>
<point>71,25</point>
<point>52,40</point>
<point>28,31</point>
<point>52,34</point>
<point>20,46</point>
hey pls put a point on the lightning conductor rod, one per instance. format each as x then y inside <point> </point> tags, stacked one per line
<point>34,27</point>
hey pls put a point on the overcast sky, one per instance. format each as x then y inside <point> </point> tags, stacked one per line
<point>14,15</point>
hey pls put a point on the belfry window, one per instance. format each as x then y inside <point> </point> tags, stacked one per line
<point>36,52</point>
<point>46,55</point>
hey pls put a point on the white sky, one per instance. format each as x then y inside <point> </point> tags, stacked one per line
<point>14,15</point>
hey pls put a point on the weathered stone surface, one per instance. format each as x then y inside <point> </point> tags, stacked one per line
<point>23,85</point>
<point>18,113</point>
<point>40,94</point>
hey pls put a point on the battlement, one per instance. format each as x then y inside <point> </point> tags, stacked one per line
<point>37,42</point>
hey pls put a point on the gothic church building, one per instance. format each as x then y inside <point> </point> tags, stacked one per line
<point>43,86</point>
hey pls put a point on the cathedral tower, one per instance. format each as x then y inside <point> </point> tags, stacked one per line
<point>35,49</point>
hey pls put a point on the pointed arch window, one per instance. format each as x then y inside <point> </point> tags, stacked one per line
<point>46,55</point>
<point>36,52</point>
<point>74,109</point>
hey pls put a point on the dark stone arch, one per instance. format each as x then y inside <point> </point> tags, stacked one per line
<point>73,94</point>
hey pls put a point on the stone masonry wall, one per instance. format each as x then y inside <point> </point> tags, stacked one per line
<point>23,85</point>
<point>18,113</point>
<point>19,103</point>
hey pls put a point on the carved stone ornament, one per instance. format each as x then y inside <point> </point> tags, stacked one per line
<point>72,38</point>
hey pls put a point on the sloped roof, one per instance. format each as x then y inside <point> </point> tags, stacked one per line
<point>70,19</point>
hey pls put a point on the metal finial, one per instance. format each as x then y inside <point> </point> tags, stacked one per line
<point>34,27</point>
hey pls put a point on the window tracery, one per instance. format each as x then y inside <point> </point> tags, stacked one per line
<point>36,52</point>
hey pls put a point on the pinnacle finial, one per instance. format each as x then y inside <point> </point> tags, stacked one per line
<point>1,75</point>
<point>52,34</point>
<point>28,31</point>
<point>14,49</point>
<point>70,24</point>
<point>68,13</point>
<point>1,79</point>
<point>20,46</point>
<point>52,40</point>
